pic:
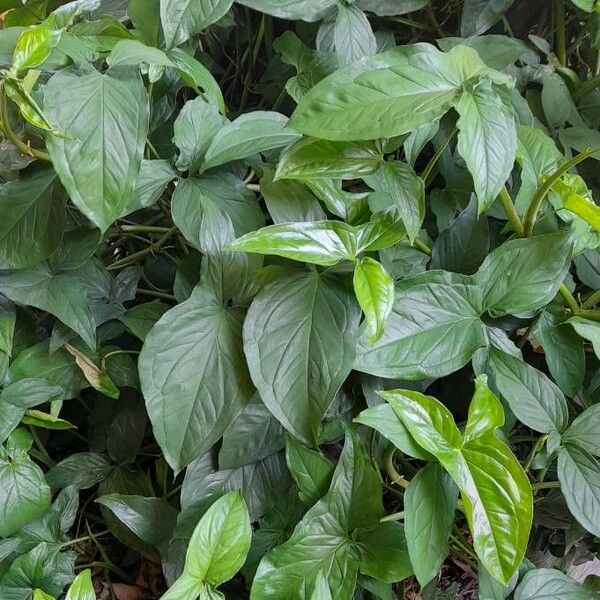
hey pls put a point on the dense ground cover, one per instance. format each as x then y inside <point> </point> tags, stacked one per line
<point>299,299</point>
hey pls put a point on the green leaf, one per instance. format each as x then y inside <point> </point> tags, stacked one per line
<point>253,435</point>
<point>181,19</point>
<point>494,488</point>
<point>589,330</point>
<point>311,158</point>
<point>305,10</point>
<point>383,419</point>
<point>43,420</point>
<point>60,294</point>
<point>584,208</point>
<point>433,329</point>
<point>429,506</point>
<point>82,587</point>
<point>248,135</point>
<point>550,584</point>
<point>220,542</point>
<point>82,470</point>
<point>388,95</point>
<point>141,318</point>
<point>487,140</point>
<point>150,519</point>
<point>353,35</point>
<point>24,493</point>
<point>534,399</point>
<point>398,187</point>
<point>311,471</point>
<point>34,47</point>
<point>8,319</point>
<point>41,595</point>
<point>374,289</point>
<point>178,365</point>
<point>584,431</point>
<point>32,218</point>
<point>563,351</point>
<point>104,119</point>
<point>195,126</point>
<point>523,275</point>
<point>579,476</point>
<point>299,339</point>
<point>480,15</point>
<point>133,52</point>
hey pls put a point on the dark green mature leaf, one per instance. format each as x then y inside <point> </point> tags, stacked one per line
<point>487,140</point>
<point>387,95</point>
<point>433,329</point>
<point>550,584</point>
<point>183,18</point>
<point>480,15</point>
<point>494,488</point>
<point>299,339</point>
<point>429,505</point>
<point>288,201</point>
<point>589,330</point>
<point>178,365</point>
<point>141,318</point>
<point>532,396</point>
<point>374,289</point>
<point>32,219</point>
<point>8,319</point>
<point>335,537</point>
<point>104,119</point>
<point>61,294</point>
<point>311,471</point>
<point>584,431</point>
<point>353,35</point>
<point>523,275</point>
<point>248,135</point>
<point>579,476</point>
<point>311,158</point>
<point>82,470</point>
<point>24,493</point>
<point>398,187</point>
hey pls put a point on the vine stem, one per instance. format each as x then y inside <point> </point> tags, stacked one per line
<point>391,470</point>
<point>433,161</point>
<point>511,212</point>
<point>569,298</point>
<point>542,192</point>
<point>561,31</point>
<point>593,299</point>
<point>586,88</point>
<point>132,258</point>
<point>12,136</point>
<point>545,485</point>
<point>422,246</point>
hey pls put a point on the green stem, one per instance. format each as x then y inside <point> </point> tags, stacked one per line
<point>433,161</point>
<point>511,212</point>
<point>569,298</point>
<point>542,192</point>
<point>536,448</point>
<point>12,136</point>
<point>592,300</point>
<point>42,449</point>
<point>589,86</point>
<point>561,31</point>
<point>98,564</point>
<point>422,246</point>
<point>545,485</point>
<point>85,538</point>
<point>394,476</point>
<point>144,229</point>
<point>156,294</point>
<point>592,315</point>
<point>393,517</point>
<point>132,258</point>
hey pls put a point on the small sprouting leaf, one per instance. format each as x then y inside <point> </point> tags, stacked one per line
<point>82,587</point>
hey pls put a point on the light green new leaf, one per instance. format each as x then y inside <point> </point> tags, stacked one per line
<point>104,119</point>
<point>550,584</point>
<point>429,507</point>
<point>82,587</point>
<point>434,329</point>
<point>32,219</point>
<point>34,47</point>
<point>61,294</point>
<point>193,376</point>
<point>299,340</point>
<point>293,10</point>
<point>181,19</point>
<point>311,471</point>
<point>24,493</point>
<point>487,140</point>
<point>374,289</point>
<point>579,476</point>
<point>524,274</point>
<point>494,488</point>
<point>321,242</point>
<point>584,208</point>
<point>220,542</point>
<point>311,158</point>
<point>392,93</point>
<point>534,399</point>
<point>398,187</point>
<point>41,595</point>
<point>248,135</point>
<point>584,431</point>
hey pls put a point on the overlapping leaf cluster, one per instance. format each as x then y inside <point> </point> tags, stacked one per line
<point>299,299</point>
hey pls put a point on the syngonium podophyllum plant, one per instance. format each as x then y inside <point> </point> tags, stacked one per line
<point>299,300</point>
